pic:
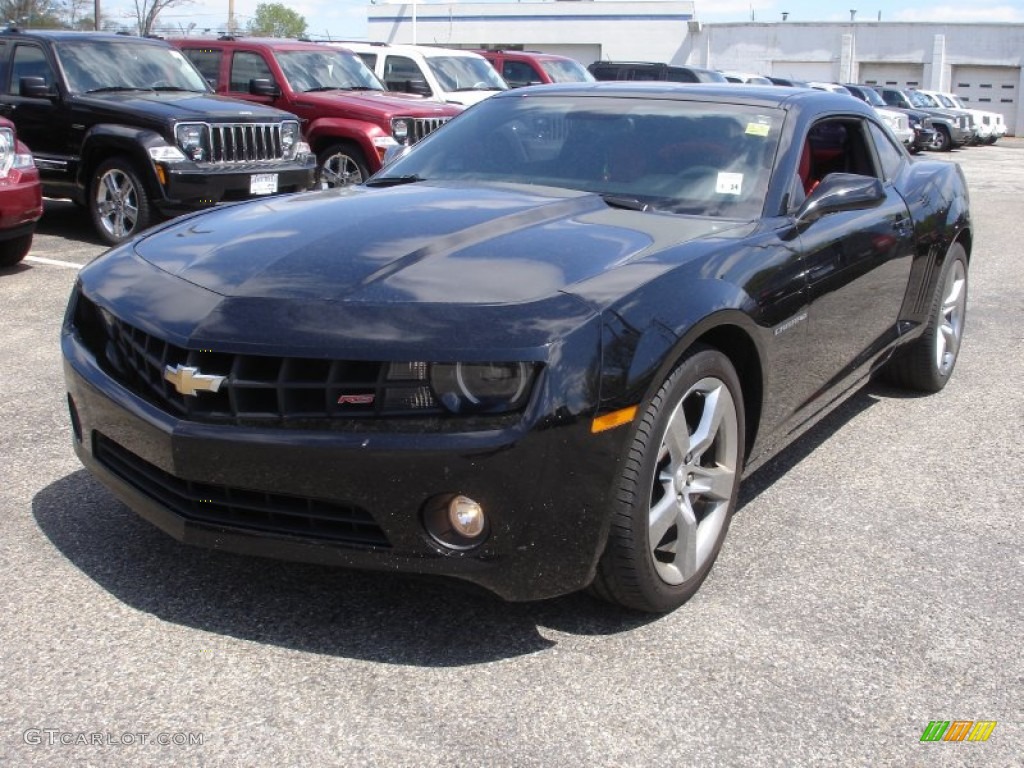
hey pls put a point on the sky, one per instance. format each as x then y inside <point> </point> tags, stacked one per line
<point>346,19</point>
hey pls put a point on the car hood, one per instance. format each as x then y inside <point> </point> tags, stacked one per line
<point>424,242</point>
<point>374,103</point>
<point>179,105</point>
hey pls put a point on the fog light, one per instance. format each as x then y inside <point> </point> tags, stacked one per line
<point>466,517</point>
<point>455,522</point>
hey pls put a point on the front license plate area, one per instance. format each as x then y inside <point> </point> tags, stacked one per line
<point>263,184</point>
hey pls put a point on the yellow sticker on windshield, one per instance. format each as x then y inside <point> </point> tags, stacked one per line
<point>758,129</point>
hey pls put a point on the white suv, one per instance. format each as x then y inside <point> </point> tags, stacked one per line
<point>991,126</point>
<point>445,74</point>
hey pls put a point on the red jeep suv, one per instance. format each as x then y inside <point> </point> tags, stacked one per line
<point>21,198</point>
<point>348,118</point>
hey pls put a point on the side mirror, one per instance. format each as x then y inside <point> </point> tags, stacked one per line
<point>262,86</point>
<point>419,87</point>
<point>839,192</point>
<point>34,87</point>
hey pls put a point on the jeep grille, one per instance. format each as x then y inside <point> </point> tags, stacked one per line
<point>421,126</point>
<point>245,142</point>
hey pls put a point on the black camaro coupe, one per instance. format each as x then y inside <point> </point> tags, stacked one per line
<point>537,352</point>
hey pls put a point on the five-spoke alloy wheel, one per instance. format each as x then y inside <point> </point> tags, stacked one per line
<point>341,165</point>
<point>678,488</point>
<point>118,201</point>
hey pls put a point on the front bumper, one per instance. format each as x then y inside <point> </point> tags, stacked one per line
<point>21,203</point>
<point>192,187</point>
<point>356,498</point>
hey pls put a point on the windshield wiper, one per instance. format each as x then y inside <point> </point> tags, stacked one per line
<point>474,88</point>
<point>324,88</point>
<point>176,88</point>
<point>629,203</point>
<point>112,88</point>
<point>393,181</point>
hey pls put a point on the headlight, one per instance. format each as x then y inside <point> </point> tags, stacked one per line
<point>400,129</point>
<point>166,154</point>
<point>481,387</point>
<point>191,137</point>
<point>7,151</point>
<point>290,139</point>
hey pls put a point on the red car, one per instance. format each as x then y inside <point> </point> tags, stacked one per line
<point>21,197</point>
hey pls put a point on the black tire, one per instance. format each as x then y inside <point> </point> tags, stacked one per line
<point>941,141</point>
<point>14,250</point>
<point>341,165</point>
<point>926,363</point>
<point>666,470</point>
<point>118,201</point>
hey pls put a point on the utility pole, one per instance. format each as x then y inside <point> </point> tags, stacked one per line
<point>96,15</point>
<point>231,17</point>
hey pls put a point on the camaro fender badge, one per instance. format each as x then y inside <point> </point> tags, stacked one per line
<point>189,381</point>
<point>790,323</point>
<point>356,400</point>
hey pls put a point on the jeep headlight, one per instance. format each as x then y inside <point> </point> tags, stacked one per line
<point>400,129</point>
<point>7,151</point>
<point>291,144</point>
<point>191,138</point>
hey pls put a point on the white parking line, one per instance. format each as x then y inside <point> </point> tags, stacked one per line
<point>53,262</point>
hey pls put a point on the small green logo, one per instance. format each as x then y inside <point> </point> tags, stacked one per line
<point>958,730</point>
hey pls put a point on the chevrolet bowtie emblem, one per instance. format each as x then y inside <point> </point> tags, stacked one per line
<point>188,380</point>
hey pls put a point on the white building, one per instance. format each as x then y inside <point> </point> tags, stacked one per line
<point>983,63</point>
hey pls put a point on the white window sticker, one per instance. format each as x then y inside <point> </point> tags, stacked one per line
<point>729,183</point>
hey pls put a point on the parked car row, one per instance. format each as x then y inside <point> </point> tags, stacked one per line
<point>137,129</point>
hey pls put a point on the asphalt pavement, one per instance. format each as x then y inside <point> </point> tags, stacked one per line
<point>871,583</point>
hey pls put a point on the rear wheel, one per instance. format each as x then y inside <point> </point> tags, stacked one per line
<point>14,250</point>
<point>118,201</point>
<point>927,362</point>
<point>678,487</point>
<point>341,165</point>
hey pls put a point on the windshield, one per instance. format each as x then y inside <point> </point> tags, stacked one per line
<point>956,102</point>
<point>944,100</point>
<point>919,99</point>
<point>96,65</point>
<point>871,97</point>
<point>465,73</point>
<point>326,70</point>
<point>665,155</point>
<point>566,71</point>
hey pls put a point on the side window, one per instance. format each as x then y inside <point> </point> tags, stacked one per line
<point>207,61</point>
<point>681,76</point>
<point>888,154</point>
<point>518,73</point>
<point>832,146</point>
<point>29,61</point>
<point>403,74</point>
<point>246,65</point>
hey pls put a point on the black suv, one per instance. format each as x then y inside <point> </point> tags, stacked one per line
<point>651,70</point>
<point>127,127</point>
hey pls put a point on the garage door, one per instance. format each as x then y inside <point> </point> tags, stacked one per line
<point>896,75</point>
<point>991,88</point>
<point>805,70</point>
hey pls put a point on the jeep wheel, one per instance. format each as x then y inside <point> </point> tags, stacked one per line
<point>14,250</point>
<point>118,201</point>
<point>341,165</point>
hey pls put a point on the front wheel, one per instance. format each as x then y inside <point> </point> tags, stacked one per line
<point>927,362</point>
<point>118,201</point>
<point>678,488</point>
<point>941,142</point>
<point>14,250</point>
<point>341,165</point>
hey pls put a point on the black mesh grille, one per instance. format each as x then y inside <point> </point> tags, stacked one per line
<point>240,508</point>
<point>256,389</point>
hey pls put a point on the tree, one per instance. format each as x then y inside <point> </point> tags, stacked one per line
<point>27,14</point>
<point>277,20</point>
<point>146,12</point>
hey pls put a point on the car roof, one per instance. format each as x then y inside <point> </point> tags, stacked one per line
<point>425,50</point>
<point>732,93</point>
<point>68,34</point>
<point>277,43</point>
